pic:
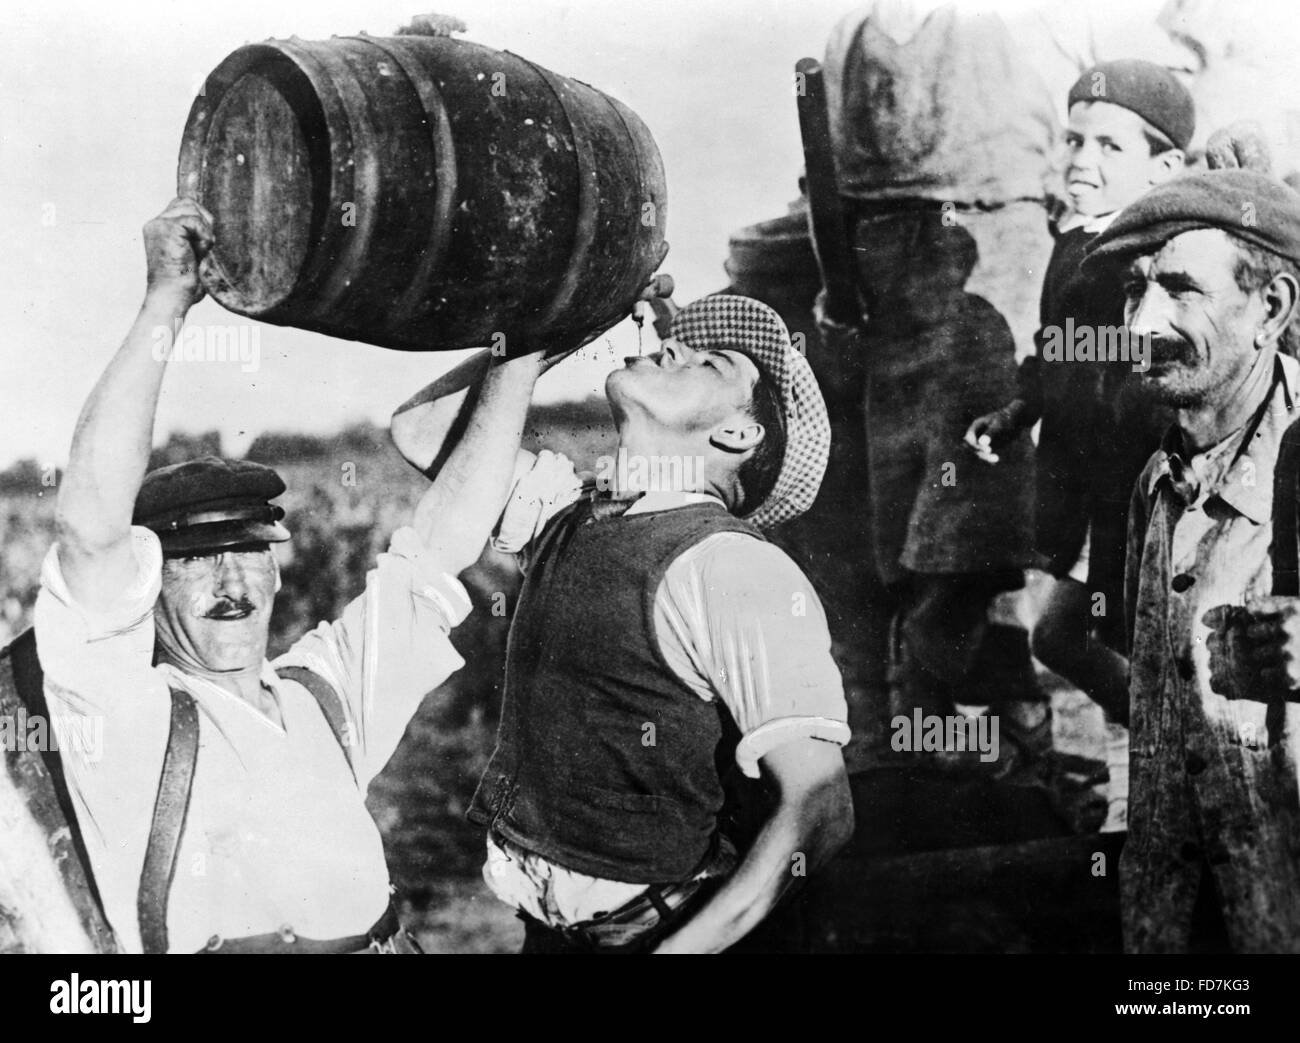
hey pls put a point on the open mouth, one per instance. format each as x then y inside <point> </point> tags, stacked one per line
<point>1158,366</point>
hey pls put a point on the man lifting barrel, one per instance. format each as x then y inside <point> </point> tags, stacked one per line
<point>226,813</point>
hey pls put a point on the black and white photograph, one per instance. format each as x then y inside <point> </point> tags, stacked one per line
<point>690,476</point>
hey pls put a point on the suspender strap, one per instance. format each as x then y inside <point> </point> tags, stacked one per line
<point>331,705</point>
<point>168,822</point>
<point>29,685</point>
<point>1285,548</point>
<point>174,797</point>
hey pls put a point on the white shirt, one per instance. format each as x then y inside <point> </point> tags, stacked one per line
<point>1094,225</point>
<point>277,833</point>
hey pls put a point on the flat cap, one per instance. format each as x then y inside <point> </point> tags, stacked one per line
<point>729,321</point>
<point>1248,205</point>
<point>209,503</point>
<point>1148,89</point>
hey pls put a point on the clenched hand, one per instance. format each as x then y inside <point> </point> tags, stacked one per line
<point>175,243</point>
<point>1255,651</point>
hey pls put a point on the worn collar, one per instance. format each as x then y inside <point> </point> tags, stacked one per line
<point>201,688</point>
<point>669,500</point>
<point>1092,225</point>
<point>1239,469</point>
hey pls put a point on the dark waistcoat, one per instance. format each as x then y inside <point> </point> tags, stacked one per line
<point>606,762</point>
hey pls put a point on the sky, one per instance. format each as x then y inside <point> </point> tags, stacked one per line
<point>93,99</point>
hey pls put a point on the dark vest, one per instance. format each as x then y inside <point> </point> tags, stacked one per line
<point>606,763</point>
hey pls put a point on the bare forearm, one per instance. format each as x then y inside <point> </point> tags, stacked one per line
<point>456,515</point>
<point>798,838</point>
<point>110,448</point>
<point>748,895</point>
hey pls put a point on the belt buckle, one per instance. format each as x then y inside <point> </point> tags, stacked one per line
<point>624,926</point>
<point>578,934</point>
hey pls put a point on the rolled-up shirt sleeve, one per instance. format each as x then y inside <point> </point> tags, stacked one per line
<point>738,620</point>
<point>389,648</point>
<point>544,484</point>
<point>92,658</point>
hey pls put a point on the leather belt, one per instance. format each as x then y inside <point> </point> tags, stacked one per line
<point>380,938</point>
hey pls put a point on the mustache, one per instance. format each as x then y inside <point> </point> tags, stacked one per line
<point>227,608</point>
<point>1171,349</point>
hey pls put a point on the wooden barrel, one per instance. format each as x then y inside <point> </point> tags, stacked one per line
<point>421,193</point>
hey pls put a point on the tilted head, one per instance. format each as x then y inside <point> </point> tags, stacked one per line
<point>1130,124</point>
<point>1210,264</point>
<point>728,387</point>
<point>216,523</point>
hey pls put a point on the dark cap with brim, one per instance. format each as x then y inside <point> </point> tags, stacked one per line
<point>211,503</point>
<point>1252,207</point>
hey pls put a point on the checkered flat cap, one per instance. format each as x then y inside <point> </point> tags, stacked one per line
<point>752,328</point>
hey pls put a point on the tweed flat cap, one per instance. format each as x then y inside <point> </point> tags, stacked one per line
<point>210,503</point>
<point>1250,206</point>
<point>752,328</point>
<point>1148,89</point>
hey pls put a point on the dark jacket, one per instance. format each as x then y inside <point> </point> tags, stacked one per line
<point>1099,426</point>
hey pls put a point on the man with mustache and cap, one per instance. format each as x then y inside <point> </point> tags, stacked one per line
<point>1210,265</point>
<point>658,640</point>
<point>227,810</point>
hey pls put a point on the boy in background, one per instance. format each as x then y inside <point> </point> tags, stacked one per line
<point>1130,123</point>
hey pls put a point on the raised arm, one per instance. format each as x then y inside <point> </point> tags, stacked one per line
<point>464,431</point>
<point>472,472</point>
<point>110,448</point>
<point>428,425</point>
